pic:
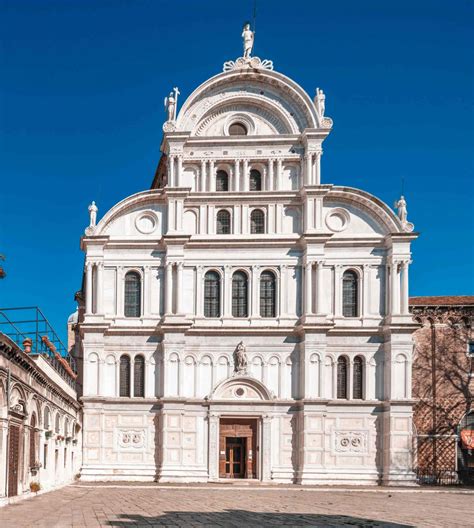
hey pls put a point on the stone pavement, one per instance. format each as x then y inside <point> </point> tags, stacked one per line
<point>131,505</point>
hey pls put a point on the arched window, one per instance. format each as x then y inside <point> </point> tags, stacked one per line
<point>133,294</point>
<point>125,376</point>
<point>212,294</point>
<point>237,129</point>
<point>56,424</point>
<point>267,294</point>
<point>350,294</point>
<point>239,294</point>
<point>223,222</point>
<point>257,222</point>
<point>222,181</point>
<point>255,180</point>
<point>358,382</point>
<point>139,377</point>
<point>47,419</point>
<point>33,441</point>
<point>342,378</point>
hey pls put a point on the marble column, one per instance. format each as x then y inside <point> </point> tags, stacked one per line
<point>179,288</point>
<point>227,291</point>
<point>317,168</point>
<point>255,308</point>
<point>171,175</point>
<point>199,291</point>
<point>308,159</point>
<point>89,288</point>
<point>212,176</point>
<point>202,187</point>
<point>237,175</point>
<point>366,290</point>
<point>245,176</point>
<point>308,309</point>
<point>283,291</point>
<point>404,292</point>
<point>319,287</point>
<point>394,288</point>
<point>169,288</point>
<point>179,171</point>
<point>146,289</point>
<point>100,288</point>
<point>266,448</point>
<point>279,175</point>
<point>270,185</point>
<point>213,446</point>
<point>119,291</point>
<point>337,291</point>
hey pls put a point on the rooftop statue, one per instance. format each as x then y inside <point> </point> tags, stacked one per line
<point>92,218</point>
<point>248,36</point>
<point>170,104</point>
<point>320,102</point>
<point>401,206</point>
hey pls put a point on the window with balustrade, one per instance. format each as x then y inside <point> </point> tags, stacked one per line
<point>239,294</point>
<point>133,291</point>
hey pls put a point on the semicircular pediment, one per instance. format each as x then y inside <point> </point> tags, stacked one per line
<point>267,118</point>
<point>279,95</point>
<point>241,388</point>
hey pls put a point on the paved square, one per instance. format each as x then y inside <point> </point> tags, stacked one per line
<point>132,505</point>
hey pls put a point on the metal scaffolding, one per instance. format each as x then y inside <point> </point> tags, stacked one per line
<point>30,322</point>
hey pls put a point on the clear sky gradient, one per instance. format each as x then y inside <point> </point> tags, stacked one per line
<point>81,111</point>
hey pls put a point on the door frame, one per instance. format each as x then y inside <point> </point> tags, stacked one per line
<point>255,447</point>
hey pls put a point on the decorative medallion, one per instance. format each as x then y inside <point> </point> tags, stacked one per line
<point>351,441</point>
<point>146,223</point>
<point>131,439</point>
<point>337,220</point>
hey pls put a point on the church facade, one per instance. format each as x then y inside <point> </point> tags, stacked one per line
<point>243,319</point>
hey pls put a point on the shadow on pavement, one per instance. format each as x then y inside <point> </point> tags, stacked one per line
<point>247,519</point>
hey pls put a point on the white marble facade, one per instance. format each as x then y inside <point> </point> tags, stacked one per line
<point>248,118</point>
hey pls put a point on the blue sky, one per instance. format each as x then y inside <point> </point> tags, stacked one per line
<point>81,110</point>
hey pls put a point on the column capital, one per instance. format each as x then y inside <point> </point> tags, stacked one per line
<point>180,265</point>
<point>319,262</point>
<point>200,268</point>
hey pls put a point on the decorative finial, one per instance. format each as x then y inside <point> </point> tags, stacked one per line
<point>401,206</point>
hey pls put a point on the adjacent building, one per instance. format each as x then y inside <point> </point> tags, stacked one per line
<point>443,386</point>
<point>244,318</point>
<point>40,417</point>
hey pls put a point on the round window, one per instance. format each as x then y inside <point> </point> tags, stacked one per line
<point>237,129</point>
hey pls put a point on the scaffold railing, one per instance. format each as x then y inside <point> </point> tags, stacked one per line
<point>30,322</point>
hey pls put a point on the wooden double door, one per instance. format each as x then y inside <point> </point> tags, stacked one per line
<point>238,448</point>
<point>13,459</point>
